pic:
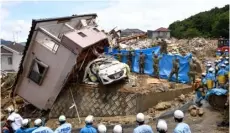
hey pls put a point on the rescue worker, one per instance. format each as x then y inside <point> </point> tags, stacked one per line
<point>175,69</point>
<point>192,71</point>
<point>141,63</point>
<point>64,126</point>
<point>210,78</point>
<point>130,59</point>
<point>156,60</point>
<point>162,126</point>
<point>208,66</point>
<point>218,53</point>
<point>226,53</point>
<point>119,56</point>
<point>117,129</point>
<point>200,95</point>
<point>40,128</point>
<point>203,80</point>
<point>89,125</point>
<point>163,49</point>
<point>142,127</point>
<point>7,125</point>
<point>216,67</point>
<point>181,127</point>
<point>25,127</point>
<point>101,128</point>
<point>221,76</point>
<point>17,119</point>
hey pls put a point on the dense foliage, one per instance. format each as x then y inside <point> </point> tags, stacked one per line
<point>213,23</point>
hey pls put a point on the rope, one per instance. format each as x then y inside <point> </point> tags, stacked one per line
<point>75,105</point>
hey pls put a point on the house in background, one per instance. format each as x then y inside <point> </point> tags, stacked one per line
<point>11,55</point>
<point>55,49</point>
<point>159,33</point>
<point>130,32</point>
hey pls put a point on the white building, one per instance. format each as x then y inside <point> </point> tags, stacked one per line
<point>11,55</point>
<point>159,33</point>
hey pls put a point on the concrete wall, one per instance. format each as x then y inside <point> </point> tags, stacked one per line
<point>16,61</point>
<point>60,63</point>
<point>4,62</point>
<point>101,101</point>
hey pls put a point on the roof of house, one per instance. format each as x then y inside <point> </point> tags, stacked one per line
<point>5,51</point>
<point>34,22</point>
<point>162,29</point>
<point>132,31</point>
<point>16,47</point>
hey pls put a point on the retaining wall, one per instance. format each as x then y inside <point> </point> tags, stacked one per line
<point>101,101</point>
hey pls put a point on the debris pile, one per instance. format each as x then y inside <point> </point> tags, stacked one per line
<point>196,111</point>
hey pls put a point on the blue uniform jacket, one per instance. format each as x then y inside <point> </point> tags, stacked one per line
<point>143,129</point>
<point>222,71</point>
<point>42,129</point>
<point>64,128</point>
<point>88,129</point>
<point>182,128</point>
<point>210,76</point>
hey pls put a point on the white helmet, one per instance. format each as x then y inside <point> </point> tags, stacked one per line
<point>223,65</point>
<point>209,62</point>
<point>89,119</point>
<point>62,118</point>
<point>226,50</point>
<point>203,74</point>
<point>218,50</point>
<point>226,62</point>
<point>117,129</point>
<point>219,60</point>
<point>140,117</point>
<point>102,128</point>
<point>211,69</point>
<point>25,122</point>
<point>216,61</point>
<point>178,114</point>
<point>162,125</point>
<point>10,118</point>
<point>10,110</point>
<point>227,57</point>
<point>208,65</point>
<point>221,57</point>
<point>37,122</point>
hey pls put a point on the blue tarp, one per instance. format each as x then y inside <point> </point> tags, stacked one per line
<point>165,64</point>
<point>216,91</point>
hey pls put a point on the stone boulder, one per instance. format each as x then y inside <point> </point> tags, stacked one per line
<point>163,106</point>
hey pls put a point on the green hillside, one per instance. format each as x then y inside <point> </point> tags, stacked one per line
<point>213,23</point>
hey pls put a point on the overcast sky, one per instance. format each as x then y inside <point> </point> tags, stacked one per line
<point>16,16</point>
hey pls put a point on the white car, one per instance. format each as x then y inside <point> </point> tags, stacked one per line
<point>106,70</point>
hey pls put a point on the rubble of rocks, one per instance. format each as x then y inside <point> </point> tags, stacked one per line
<point>195,111</point>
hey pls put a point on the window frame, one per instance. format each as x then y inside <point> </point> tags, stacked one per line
<point>42,75</point>
<point>10,62</point>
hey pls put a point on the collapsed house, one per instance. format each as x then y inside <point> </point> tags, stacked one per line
<point>56,51</point>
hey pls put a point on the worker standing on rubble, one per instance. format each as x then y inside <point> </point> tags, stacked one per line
<point>181,126</point>
<point>156,60</point>
<point>175,69</point>
<point>203,80</point>
<point>40,127</point>
<point>89,125</point>
<point>64,126</point>
<point>142,127</point>
<point>101,128</point>
<point>163,49</point>
<point>221,76</point>
<point>192,71</point>
<point>119,56</point>
<point>7,128</point>
<point>162,126</point>
<point>17,119</point>
<point>141,63</point>
<point>130,59</point>
<point>210,78</point>
<point>117,129</point>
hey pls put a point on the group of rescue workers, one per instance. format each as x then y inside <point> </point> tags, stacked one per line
<point>16,124</point>
<point>216,76</point>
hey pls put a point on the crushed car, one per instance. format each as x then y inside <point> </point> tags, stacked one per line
<point>105,70</point>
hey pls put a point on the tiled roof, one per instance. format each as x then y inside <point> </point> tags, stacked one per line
<point>4,51</point>
<point>16,46</point>
<point>162,29</point>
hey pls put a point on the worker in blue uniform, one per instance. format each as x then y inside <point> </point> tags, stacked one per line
<point>64,126</point>
<point>221,76</point>
<point>89,125</point>
<point>142,127</point>
<point>25,127</point>
<point>209,65</point>
<point>226,53</point>
<point>210,78</point>
<point>181,127</point>
<point>218,53</point>
<point>41,128</point>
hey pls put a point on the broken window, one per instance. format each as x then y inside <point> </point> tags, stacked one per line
<point>37,71</point>
<point>96,29</point>
<point>10,60</point>
<point>81,34</point>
